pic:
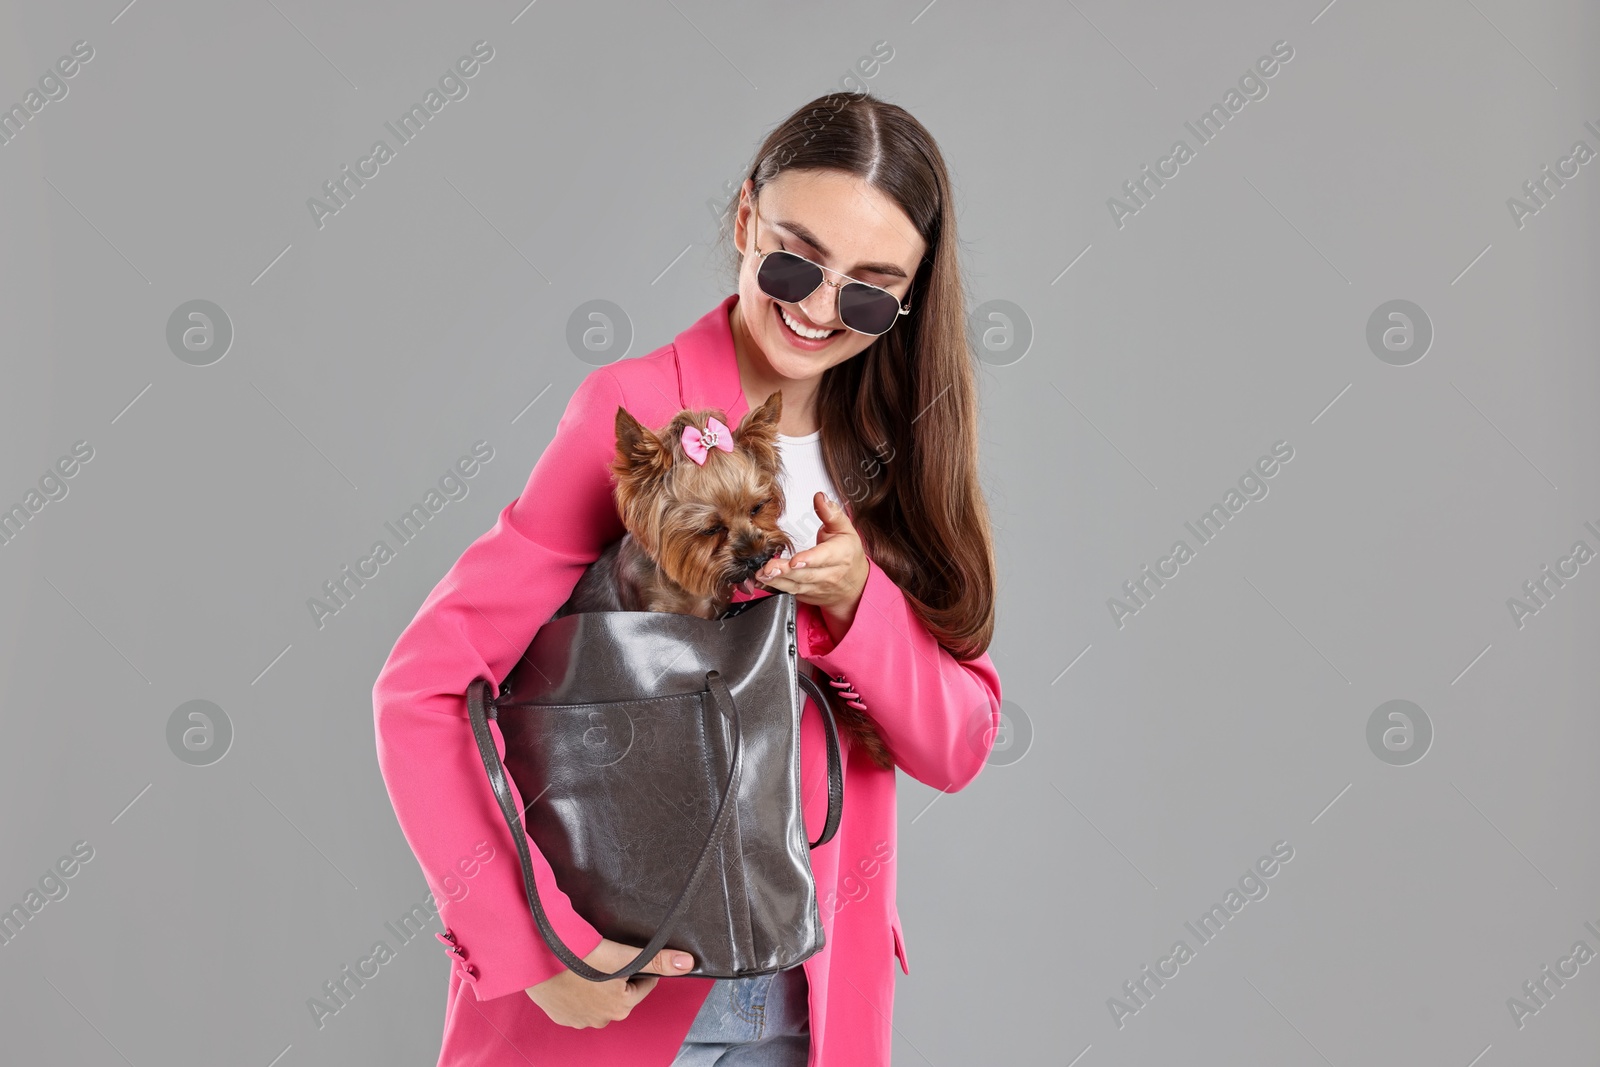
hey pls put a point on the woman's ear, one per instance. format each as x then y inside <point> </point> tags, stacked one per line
<point>741,217</point>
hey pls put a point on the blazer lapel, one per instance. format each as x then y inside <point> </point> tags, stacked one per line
<point>708,370</point>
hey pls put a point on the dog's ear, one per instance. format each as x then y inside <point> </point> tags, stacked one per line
<point>761,422</point>
<point>639,452</point>
<point>762,419</point>
<point>758,434</point>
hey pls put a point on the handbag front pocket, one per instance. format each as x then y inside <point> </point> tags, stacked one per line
<point>620,797</point>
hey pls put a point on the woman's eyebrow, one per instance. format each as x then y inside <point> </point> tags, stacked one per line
<point>890,269</point>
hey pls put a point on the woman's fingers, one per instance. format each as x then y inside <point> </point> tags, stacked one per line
<point>577,1002</point>
<point>823,555</point>
<point>670,961</point>
<point>609,955</point>
<point>780,578</point>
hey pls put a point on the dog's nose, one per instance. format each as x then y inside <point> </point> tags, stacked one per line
<point>754,563</point>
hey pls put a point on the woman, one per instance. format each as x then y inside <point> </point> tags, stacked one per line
<point>896,607</point>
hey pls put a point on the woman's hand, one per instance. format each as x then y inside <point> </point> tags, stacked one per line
<point>577,1002</point>
<point>831,575</point>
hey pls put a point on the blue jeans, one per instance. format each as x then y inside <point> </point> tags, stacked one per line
<point>763,1021</point>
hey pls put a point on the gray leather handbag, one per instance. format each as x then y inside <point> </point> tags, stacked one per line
<point>658,755</point>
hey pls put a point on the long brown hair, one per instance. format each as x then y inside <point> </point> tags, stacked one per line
<point>899,421</point>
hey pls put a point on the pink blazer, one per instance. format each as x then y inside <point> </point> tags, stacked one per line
<point>937,714</point>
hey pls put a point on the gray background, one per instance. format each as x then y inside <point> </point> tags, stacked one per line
<point>1228,314</point>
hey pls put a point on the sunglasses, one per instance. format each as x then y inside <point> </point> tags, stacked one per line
<point>863,308</point>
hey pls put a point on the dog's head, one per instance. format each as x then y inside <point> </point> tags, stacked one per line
<point>709,526</point>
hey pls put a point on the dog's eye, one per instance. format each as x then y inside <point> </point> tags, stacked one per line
<point>712,531</point>
<point>757,509</point>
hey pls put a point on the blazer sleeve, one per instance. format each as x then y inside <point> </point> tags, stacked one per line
<point>938,715</point>
<point>476,622</point>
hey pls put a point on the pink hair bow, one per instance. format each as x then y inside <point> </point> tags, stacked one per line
<point>696,442</point>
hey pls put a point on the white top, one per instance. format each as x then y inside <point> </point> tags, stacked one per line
<point>803,476</point>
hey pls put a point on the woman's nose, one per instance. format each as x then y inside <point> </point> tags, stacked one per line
<point>821,306</point>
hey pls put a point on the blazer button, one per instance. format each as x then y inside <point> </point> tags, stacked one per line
<point>791,650</point>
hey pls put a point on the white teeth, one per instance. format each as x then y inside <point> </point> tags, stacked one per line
<point>814,335</point>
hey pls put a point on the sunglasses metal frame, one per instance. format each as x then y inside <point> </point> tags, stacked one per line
<point>761,259</point>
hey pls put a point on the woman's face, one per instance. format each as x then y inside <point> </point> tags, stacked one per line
<point>838,221</point>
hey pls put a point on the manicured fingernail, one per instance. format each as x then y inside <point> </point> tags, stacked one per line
<point>682,962</point>
<point>802,563</point>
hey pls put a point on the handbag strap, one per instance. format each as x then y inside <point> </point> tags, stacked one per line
<point>480,709</point>
<point>497,779</point>
<point>824,702</point>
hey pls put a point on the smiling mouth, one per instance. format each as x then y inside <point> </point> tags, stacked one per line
<point>801,330</point>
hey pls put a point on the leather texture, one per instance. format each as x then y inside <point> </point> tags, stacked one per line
<point>658,756</point>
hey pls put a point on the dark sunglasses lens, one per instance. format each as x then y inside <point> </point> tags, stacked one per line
<point>787,277</point>
<point>867,310</point>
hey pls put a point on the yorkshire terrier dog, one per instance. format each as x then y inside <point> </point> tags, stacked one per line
<point>700,504</point>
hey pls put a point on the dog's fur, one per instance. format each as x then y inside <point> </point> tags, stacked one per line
<point>696,532</point>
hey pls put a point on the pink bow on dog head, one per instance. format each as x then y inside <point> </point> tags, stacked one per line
<point>696,442</point>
